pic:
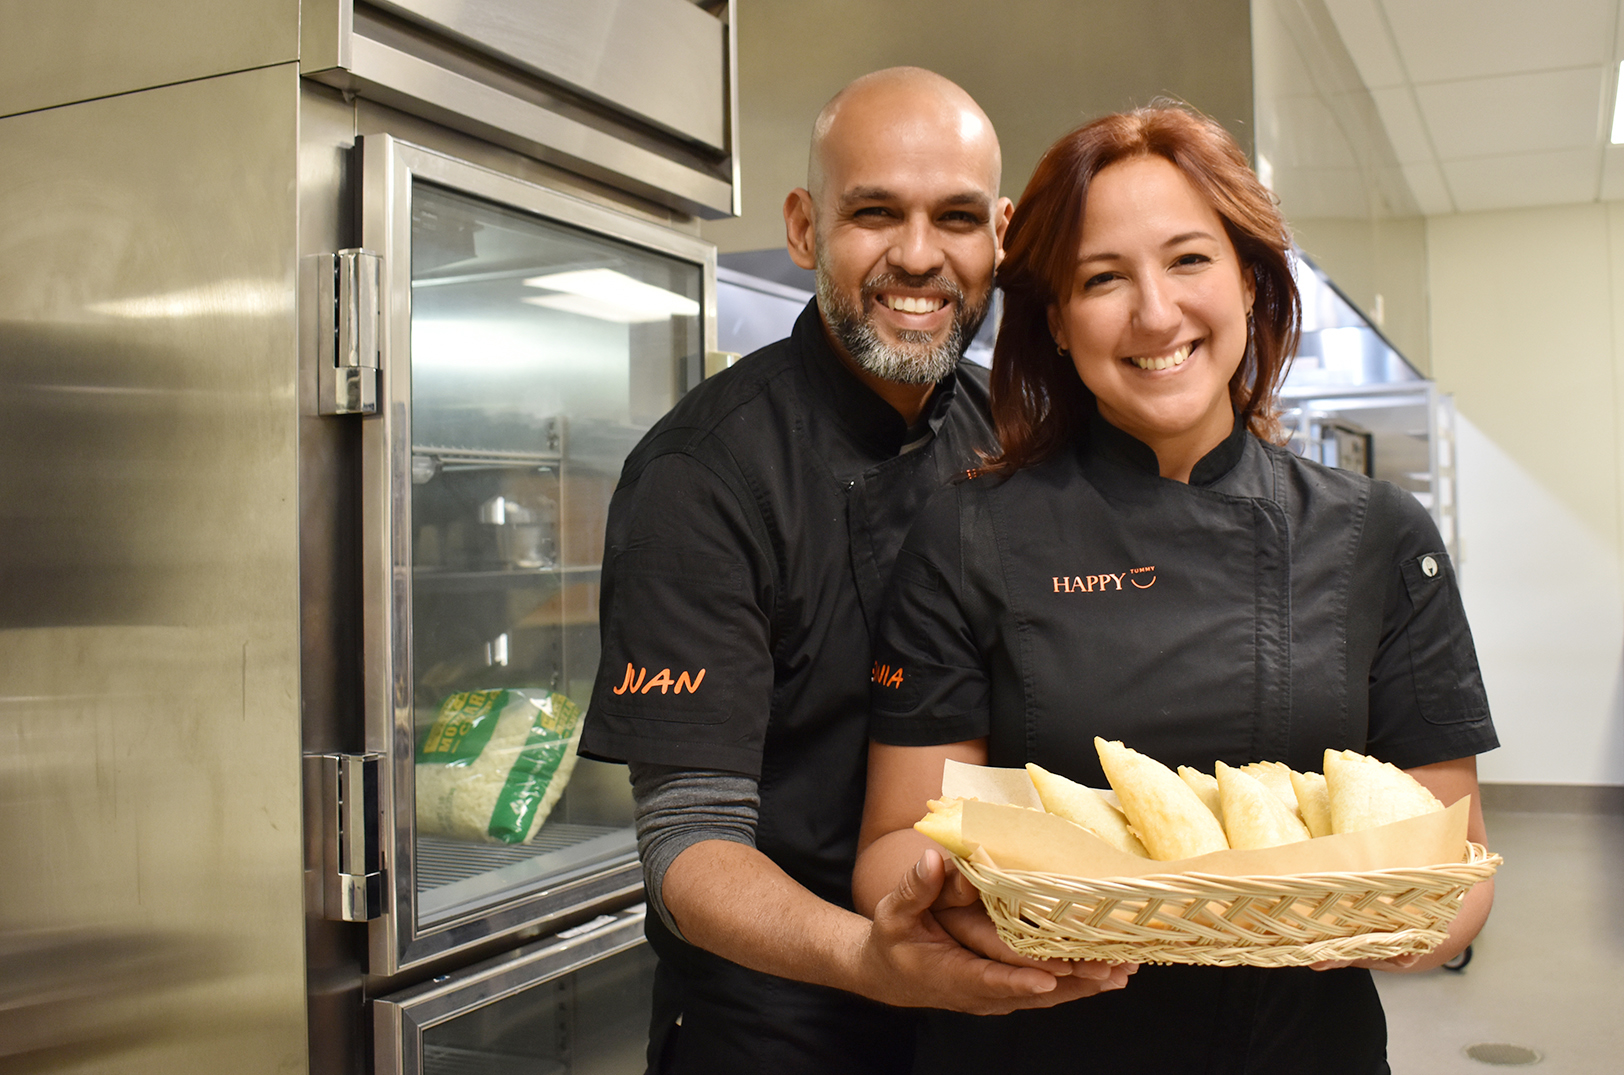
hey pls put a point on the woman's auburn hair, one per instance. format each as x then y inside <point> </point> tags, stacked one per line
<point>1039,403</point>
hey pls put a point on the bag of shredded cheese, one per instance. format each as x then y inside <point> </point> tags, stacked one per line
<point>493,763</point>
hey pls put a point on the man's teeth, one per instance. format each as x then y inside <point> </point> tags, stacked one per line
<point>909,304</point>
<point>1165,361</point>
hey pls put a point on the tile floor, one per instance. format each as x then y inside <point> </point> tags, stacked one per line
<point>1548,969</point>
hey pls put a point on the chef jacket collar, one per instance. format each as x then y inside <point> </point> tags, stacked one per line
<point>866,418</point>
<point>1109,442</point>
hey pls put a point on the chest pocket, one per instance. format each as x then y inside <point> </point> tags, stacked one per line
<point>1443,663</point>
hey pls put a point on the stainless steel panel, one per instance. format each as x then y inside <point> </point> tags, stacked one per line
<point>73,50</point>
<point>397,78</point>
<point>389,170</point>
<point>150,902</point>
<point>664,61</point>
<point>403,1020</point>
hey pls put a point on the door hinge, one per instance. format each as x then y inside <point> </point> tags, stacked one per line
<point>349,331</point>
<point>353,879</point>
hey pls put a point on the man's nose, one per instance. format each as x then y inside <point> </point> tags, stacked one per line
<point>917,250</point>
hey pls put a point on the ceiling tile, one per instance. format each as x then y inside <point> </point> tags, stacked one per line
<point>1405,130</point>
<point>1449,39</point>
<point>1427,184</point>
<point>1525,179</point>
<point>1514,113</point>
<point>1364,34</point>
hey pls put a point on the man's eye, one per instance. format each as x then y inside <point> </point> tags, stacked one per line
<point>873,212</point>
<point>974,220</point>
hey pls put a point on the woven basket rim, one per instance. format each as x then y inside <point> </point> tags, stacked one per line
<point>1478,856</point>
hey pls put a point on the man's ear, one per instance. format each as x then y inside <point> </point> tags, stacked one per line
<point>800,229</point>
<point>1001,214</point>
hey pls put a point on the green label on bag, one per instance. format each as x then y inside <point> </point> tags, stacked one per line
<point>552,736</point>
<point>462,728</point>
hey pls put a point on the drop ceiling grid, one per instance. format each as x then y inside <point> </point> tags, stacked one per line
<point>1492,103</point>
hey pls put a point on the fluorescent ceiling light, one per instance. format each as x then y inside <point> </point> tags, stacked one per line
<point>610,296</point>
<point>1618,109</point>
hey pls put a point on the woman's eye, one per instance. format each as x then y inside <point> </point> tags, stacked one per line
<point>1097,279</point>
<point>1186,260</point>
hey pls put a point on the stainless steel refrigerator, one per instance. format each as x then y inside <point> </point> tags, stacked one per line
<point>322,346</point>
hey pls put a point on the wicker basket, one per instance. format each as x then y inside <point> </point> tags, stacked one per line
<point>1285,921</point>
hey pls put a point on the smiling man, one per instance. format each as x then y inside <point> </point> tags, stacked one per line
<point>749,544</point>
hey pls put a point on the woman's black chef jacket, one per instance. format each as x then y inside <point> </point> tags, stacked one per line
<point>1268,610</point>
<point>749,544</point>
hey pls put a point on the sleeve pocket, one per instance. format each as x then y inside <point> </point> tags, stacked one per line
<point>1443,663</point>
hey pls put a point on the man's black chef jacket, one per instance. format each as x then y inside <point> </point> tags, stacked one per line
<point>749,545</point>
<point>1267,610</point>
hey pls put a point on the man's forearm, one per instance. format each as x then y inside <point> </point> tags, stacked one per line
<point>733,900</point>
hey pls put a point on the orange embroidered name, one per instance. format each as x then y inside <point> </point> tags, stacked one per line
<point>1105,581</point>
<point>886,676</point>
<point>637,681</point>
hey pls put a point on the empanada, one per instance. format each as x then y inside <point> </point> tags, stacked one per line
<point>1254,816</point>
<point>1366,793</point>
<point>1084,806</point>
<point>1169,819</point>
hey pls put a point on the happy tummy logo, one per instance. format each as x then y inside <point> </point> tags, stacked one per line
<point>886,676</point>
<point>1140,578</point>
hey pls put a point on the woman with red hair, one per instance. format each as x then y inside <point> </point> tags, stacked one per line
<point>1143,562</point>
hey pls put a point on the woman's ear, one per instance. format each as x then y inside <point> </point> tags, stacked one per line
<point>1057,328</point>
<point>1249,287</point>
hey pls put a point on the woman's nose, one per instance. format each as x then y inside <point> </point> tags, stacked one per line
<point>1157,308</point>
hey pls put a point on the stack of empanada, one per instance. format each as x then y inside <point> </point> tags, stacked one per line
<point>1166,815</point>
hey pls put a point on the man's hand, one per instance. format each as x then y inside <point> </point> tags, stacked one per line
<point>910,960</point>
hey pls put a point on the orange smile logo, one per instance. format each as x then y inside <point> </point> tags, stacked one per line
<point>1141,578</point>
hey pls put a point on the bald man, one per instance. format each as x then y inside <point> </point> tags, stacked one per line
<point>749,544</point>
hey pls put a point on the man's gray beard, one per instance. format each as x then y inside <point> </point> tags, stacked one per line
<point>916,359</point>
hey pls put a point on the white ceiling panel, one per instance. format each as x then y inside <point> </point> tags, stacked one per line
<point>1527,179</point>
<point>1453,39</point>
<point>1405,128</point>
<point>1427,184</point>
<point>1514,113</point>
<point>1364,33</point>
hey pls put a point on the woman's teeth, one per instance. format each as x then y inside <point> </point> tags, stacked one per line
<point>909,304</point>
<point>1165,361</point>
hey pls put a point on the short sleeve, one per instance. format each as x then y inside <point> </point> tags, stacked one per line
<point>1427,702</point>
<point>929,684</point>
<point>685,677</point>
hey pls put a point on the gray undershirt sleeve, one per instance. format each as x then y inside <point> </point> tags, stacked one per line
<point>677,808</point>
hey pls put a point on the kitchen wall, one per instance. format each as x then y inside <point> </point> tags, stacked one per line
<point>1526,313</point>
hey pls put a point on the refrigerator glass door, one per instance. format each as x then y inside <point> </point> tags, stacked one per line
<point>575,1004</point>
<point>531,340</point>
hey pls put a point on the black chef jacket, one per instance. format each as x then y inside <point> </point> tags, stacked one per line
<point>1267,610</point>
<point>749,544</point>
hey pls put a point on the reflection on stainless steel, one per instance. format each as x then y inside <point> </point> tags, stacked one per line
<point>66,993</point>
<point>149,627</point>
<point>661,60</point>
